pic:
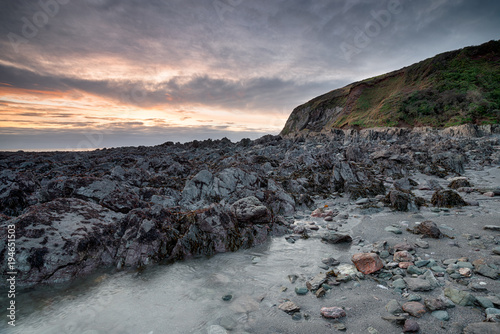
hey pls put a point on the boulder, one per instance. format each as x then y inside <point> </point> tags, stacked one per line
<point>447,198</point>
<point>428,229</point>
<point>251,210</point>
<point>367,263</point>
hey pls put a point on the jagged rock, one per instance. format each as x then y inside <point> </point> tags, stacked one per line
<point>336,238</point>
<point>251,210</point>
<point>62,239</point>
<point>401,201</point>
<point>482,328</point>
<point>487,271</point>
<point>415,309</point>
<point>434,304</point>
<point>316,282</point>
<point>428,229</point>
<point>447,198</point>
<point>462,298</point>
<point>367,263</point>
<point>289,307</point>
<point>460,182</point>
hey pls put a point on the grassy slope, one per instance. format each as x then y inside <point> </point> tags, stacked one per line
<point>452,88</point>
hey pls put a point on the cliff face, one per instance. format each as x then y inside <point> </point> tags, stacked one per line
<point>452,88</point>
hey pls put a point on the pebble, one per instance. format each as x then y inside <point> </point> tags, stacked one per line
<point>414,298</point>
<point>372,330</point>
<point>415,309</point>
<point>399,284</point>
<point>485,302</point>
<point>289,307</point>
<point>340,327</point>
<point>441,315</point>
<point>421,263</point>
<point>393,307</point>
<point>411,326</point>
<point>462,298</point>
<point>333,312</point>
<point>301,290</point>
<point>216,329</point>
<point>227,297</point>
<point>393,229</point>
<point>422,243</point>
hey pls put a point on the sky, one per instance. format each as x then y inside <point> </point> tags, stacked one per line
<point>85,74</point>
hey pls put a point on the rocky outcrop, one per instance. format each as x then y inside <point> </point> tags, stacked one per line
<point>128,207</point>
<point>393,99</point>
<point>62,239</point>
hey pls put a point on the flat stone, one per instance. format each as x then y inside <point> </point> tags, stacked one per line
<point>340,327</point>
<point>216,329</point>
<point>384,254</point>
<point>435,304</point>
<point>465,265</point>
<point>466,272</point>
<point>422,243</point>
<point>316,282</point>
<point>393,229</point>
<point>484,302</point>
<point>289,307</point>
<point>393,307</point>
<point>492,314</point>
<point>336,238</point>
<point>405,265</point>
<point>496,250</point>
<point>492,227</point>
<point>418,284</point>
<point>367,263</point>
<point>301,291</point>
<point>438,269</point>
<point>320,293</point>
<point>394,319</point>
<point>415,309</point>
<point>330,261</point>
<point>421,263</point>
<point>403,256</point>
<point>411,326</point>
<point>482,328</point>
<point>402,246</point>
<point>462,298</point>
<point>399,284</point>
<point>414,298</point>
<point>487,271</point>
<point>332,312</point>
<point>441,315</point>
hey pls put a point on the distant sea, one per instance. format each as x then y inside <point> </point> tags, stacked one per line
<point>50,150</point>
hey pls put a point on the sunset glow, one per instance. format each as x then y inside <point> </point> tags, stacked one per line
<point>183,70</point>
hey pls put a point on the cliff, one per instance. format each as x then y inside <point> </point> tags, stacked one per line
<point>452,88</point>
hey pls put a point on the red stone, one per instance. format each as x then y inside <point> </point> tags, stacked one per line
<point>415,309</point>
<point>405,265</point>
<point>367,263</point>
<point>403,256</point>
<point>332,312</point>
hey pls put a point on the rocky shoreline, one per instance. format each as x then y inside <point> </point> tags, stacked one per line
<point>75,212</point>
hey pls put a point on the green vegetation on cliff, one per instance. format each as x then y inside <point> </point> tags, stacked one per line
<point>452,88</point>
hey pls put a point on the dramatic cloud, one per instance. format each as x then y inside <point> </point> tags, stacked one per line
<point>193,68</point>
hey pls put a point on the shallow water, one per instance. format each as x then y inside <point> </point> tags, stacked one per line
<point>185,297</point>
